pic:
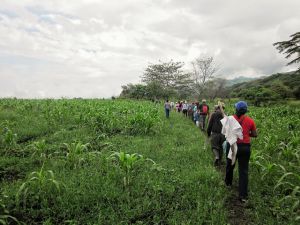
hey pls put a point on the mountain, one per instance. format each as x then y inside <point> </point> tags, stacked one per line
<point>238,80</point>
<point>271,88</point>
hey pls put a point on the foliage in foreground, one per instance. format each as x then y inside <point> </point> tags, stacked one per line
<point>104,162</point>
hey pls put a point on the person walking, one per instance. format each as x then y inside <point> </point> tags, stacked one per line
<point>197,117</point>
<point>243,150</point>
<point>177,107</point>
<point>167,108</point>
<point>191,111</point>
<point>214,129</point>
<point>185,108</point>
<point>204,112</point>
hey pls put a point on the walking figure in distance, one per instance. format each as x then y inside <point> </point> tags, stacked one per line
<point>167,108</point>
<point>204,112</point>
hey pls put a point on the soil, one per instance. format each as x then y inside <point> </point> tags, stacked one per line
<point>237,210</point>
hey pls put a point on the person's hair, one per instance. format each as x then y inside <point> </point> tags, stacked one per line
<point>241,112</point>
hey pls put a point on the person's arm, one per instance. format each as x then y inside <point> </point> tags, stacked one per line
<point>208,114</point>
<point>253,132</point>
<point>210,123</point>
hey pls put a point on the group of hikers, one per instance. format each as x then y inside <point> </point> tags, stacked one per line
<point>195,111</point>
<point>229,135</point>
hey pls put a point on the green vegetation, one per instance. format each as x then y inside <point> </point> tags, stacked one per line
<point>168,80</point>
<point>122,162</point>
<point>275,163</point>
<point>269,89</point>
<point>104,162</point>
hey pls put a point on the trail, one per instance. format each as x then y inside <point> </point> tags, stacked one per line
<point>237,211</point>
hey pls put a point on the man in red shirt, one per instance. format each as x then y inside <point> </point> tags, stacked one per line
<point>243,152</point>
<point>204,112</point>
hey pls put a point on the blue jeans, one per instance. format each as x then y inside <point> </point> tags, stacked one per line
<point>167,113</point>
<point>243,157</point>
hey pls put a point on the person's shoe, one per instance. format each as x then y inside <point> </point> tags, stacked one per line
<point>228,184</point>
<point>216,162</point>
<point>243,200</point>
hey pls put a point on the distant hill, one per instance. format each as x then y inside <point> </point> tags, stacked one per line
<point>238,80</point>
<point>275,87</point>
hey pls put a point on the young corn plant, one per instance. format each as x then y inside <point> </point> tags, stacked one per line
<point>127,162</point>
<point>9,138</point>
<point>75,153</point>
<point>40,189</point>
<point>39,149</point>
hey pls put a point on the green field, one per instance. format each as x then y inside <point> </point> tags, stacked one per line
<point>121,162</point>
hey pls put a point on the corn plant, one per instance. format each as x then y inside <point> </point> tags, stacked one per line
<point>127,163</point>
<point>9,138</point>
<point>75,153</point>
<point>41,187</point>
<point>276,154</point>
<point>39,149</point>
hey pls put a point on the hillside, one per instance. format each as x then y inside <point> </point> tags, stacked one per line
<point>275,87</point>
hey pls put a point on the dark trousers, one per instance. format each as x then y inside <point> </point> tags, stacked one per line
<point>202,121</point>
<point>167,113</point>
<point>243,157</point>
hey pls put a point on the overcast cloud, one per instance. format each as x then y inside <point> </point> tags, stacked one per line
<point>89,48</point>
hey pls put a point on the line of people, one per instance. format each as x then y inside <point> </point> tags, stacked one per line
<point>228,134</point>
<point>197,112</point>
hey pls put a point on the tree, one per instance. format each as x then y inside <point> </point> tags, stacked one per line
<point>163,72</point>
<point>290,47</point>
<point>137,91</point>
<point>155,91</point>
<point>204,69</point>
<point>166,79</point>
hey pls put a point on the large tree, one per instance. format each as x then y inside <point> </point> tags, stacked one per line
<point>166,79</point>
<point>204,69</point>
<point>163,72</point>
<point>290,47</point>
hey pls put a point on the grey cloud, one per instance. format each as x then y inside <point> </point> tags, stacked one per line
<point>8,13</point>
<point>90,48</point>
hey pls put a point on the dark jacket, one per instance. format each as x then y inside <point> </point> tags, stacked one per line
<point>214,124</point>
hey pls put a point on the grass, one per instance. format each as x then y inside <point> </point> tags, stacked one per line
<point>123,162</point>
<point>55,177</point>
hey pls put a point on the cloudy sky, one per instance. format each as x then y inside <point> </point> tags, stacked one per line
<point>89,48</point>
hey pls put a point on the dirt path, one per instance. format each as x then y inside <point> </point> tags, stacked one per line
<point>237,211</point>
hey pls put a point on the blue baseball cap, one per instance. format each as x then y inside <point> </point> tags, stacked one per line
<point>241,105</point>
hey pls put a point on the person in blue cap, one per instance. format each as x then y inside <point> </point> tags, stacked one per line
<point>243,150</point>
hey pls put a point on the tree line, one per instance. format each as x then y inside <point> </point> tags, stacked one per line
<point>169,80</point>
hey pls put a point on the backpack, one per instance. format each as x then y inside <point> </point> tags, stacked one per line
<point>204,109</point>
